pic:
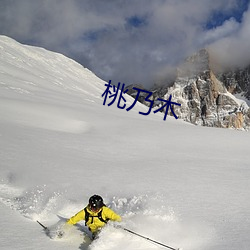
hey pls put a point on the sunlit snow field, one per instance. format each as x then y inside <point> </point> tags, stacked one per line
<point>182,185</point>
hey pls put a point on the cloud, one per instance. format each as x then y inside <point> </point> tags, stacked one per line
<point>129,41</point>
<point>228,28</point>
<point>232,50</point>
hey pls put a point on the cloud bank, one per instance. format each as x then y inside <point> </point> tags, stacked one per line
<point>134,41</point>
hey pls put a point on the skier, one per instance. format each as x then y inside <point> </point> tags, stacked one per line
<point>95,214</point>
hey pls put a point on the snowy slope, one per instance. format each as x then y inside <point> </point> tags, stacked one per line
<point>179,184</point>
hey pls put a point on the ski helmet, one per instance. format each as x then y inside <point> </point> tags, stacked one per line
<point>95,202</point>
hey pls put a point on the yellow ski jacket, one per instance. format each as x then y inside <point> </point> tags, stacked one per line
<point>94,223</point>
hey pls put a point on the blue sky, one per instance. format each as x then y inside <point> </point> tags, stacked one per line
<point>218,17</point>
<point>132,41</point>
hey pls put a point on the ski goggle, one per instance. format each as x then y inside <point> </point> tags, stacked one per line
<point>94,208</point>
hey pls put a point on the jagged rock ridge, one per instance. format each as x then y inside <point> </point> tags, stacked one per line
<point>237,81</point>
<point>206,97</point>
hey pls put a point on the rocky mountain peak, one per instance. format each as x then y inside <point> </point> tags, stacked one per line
<point>206,97</point>
<point>237,81</point>
<point>197,64</point>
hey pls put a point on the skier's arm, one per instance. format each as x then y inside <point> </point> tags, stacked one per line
<point>77,217</point>
<point>110,214</point>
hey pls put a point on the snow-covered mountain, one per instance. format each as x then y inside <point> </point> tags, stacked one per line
<point>209,97</point>
<point>237,81</point>
<point>182,185</point>
<point>206,100</point>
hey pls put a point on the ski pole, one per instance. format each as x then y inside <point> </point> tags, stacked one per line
<point>45,228</point>
<point>146,238</point>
